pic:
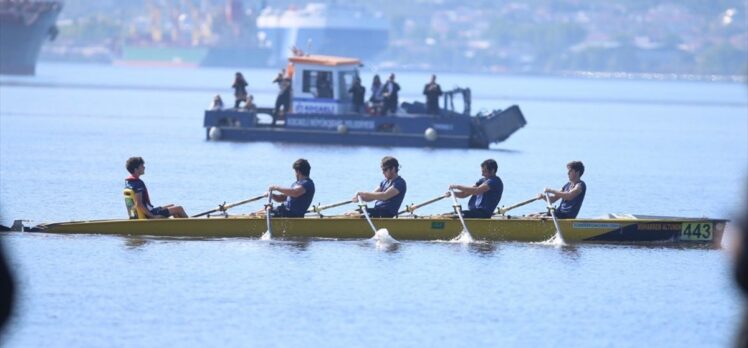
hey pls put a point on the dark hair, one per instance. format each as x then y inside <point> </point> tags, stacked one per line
<point>390,162</point>
<point>491,165</point>
<point>302,166</point>
<point>133,163</point>
<point>577,166</point>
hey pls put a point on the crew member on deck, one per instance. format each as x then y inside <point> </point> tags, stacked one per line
<point>240,89</point>
<point>571,195</point>
<point>297,198</point>
<point>283,101</point>
<point>249,105</point>
<point>376,99</point>
<point>357,92</point>
<point>432,91</point>
<point>484,195</point>
<point>136,167</point>
<point>390,193</point>
<point>217,103</point>
<point>391,88</point>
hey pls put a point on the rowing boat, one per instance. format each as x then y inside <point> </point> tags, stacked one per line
<point>613,228</point>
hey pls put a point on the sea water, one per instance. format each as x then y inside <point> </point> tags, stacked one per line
<point>649,147</point>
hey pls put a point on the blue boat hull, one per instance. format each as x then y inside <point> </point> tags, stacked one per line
<point>418,130</point>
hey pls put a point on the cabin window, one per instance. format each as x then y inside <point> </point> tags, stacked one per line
<point>344,84</point>
<point>317,82</point>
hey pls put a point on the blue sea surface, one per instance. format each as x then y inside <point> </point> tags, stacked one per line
<point>649,147</point>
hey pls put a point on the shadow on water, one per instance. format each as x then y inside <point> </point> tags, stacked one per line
<point>570,252</point>
<point>134,243</point>
<point>392,248</point>
<point>297,246</point>
<point>506,151</point>
<point>483,249</point>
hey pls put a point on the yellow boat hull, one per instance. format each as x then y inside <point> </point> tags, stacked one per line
<point>432,228</point>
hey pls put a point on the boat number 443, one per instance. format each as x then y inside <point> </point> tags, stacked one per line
<point>696,231</point>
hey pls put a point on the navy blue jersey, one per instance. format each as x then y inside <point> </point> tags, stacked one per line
<point>392,205</point>
<point>487,201</point>
<point>570,209</point>
<point>298,206</point>
<point>138,186</point>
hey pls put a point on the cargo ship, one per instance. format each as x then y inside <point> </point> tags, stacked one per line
<point>239,37</point>
<point>24,26</point>
<point>324,29</point>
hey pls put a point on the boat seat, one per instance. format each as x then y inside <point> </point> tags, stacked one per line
<point>133,211</point>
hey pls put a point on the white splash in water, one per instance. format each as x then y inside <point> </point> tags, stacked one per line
<point>464,237</point>
<point>267,235</point>
<point>556,241</point>
<point>382,236</point>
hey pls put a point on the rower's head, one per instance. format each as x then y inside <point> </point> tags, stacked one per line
<point>390,167</point>
<point>302,168</point>
<point>136,166</point>
<point>392,77</point>
<point>488,168</point>
<point>575,170</point>
<point>433,78</point>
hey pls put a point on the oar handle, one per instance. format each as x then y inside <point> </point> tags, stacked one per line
<point>552,210</point>
<point>411,208</point>
<point>366,214</point>
<point>503,210</point>
<point>317,208</point>
<point>455,204</point>
<point>548,202</point>
<point>269,204</point>
<point>224,207</point>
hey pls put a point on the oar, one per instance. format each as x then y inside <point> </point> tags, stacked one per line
<point>318,208</point>
<point>503,210</point>
<point>411,208</point>
<point>458,210</point>
<point>552,209</point>
<point>366,213</point>
<point>224,207</point>
<point>268,211</point>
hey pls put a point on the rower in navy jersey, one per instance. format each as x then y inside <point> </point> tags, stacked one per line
<point>297,198</point>
<point>389,194</point>
<point>136,167</point>
<point>484,195</point>
<point>571,194</point>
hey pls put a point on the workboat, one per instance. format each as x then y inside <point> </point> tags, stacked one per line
<point>322,111</point>
<point>612,228</point>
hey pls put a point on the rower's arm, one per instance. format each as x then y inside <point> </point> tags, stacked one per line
<point>294,192</point>
<point>573,193</point>
<point>467,191</point>
<point>383,196</point>
<point>376,196</point>
<point>139,204</point>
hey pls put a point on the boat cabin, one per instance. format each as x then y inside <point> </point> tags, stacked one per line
<point>320,84</point>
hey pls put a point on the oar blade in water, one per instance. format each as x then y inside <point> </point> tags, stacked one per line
<point>464,237</point>
<point>382,236</point>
